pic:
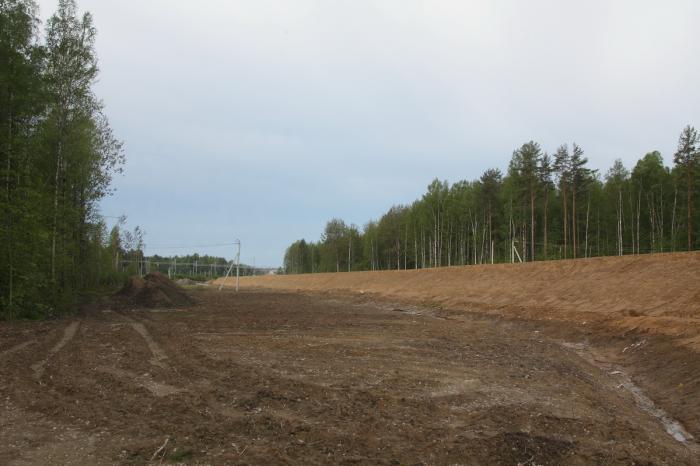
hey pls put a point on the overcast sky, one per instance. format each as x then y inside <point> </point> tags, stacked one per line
<point>261,120</point>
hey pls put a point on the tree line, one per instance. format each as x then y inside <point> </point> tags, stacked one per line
<point>546,206</point>
<point>58,155</point>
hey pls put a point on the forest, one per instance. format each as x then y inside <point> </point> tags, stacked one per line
<point>545,207</point>
<point>58,156</point>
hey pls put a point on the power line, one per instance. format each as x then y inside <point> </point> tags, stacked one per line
<point>192,264</point>
<point>191,246</point>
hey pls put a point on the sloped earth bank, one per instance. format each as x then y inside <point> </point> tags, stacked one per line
<point>268,377</point>
<point>657,293</point>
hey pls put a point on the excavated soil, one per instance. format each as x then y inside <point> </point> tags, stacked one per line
<point>272,377</point>
<point>152,291</point>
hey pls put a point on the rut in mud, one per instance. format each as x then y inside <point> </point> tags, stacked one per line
<point>286,378</point>
<point>68,335</point>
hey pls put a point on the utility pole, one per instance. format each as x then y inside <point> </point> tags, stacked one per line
<point>237,264</point>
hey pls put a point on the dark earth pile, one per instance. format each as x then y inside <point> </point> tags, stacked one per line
<point>153,290</point>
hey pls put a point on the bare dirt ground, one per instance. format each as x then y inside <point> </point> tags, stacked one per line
<point>274,377</point>
<point>656,293</point>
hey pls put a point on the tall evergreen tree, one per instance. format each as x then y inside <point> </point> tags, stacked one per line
<point>545,171</point>
<point>580,177</point>
<point>562,166</point>
<point>490,184</point>
<point>686,159</point>
<point>525,166</point>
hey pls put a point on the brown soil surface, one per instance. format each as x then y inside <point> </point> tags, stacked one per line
<point>271,377</point>
<point>151,291</point>
<point>657,293</point>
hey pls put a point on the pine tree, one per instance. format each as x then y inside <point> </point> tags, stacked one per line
<point>545,171</point>
<point>562,165</point>
<point>580,177</point>
<point>490,192</point>
<point>686,159</point>
<point>525,163</point>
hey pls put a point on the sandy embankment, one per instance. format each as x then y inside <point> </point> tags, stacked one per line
<point>657,293</point>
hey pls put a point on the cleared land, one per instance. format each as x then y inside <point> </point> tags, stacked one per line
<point>273,376</point>
<point>652,293</point>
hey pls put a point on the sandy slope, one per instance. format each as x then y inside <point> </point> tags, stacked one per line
<point>650,293</point>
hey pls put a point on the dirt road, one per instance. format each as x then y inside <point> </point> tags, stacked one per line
<point>265,377</point>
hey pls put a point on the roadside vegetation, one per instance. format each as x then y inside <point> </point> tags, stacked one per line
<point>58,155</point>
<point>546,206</point>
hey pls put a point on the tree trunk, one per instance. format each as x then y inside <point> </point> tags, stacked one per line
<point>10,229</point>
<point>619,224</point>
<point>511,234</point>
<point>690,207</point>
<point>532,224</point>
<point>588,211</point>
<point>490,225</point>
<point>639,214</point>
<point>673,220</point>
<point>54,229</point>
<point>566,220</point>
<point>405,248</point>
<point>415,248</point>
<point>597,237</point>
<point>652,222</point>
<point>574,222</point>
<point>546,202</point>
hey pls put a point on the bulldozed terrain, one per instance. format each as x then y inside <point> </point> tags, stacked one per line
<point>292,370</point>
<point>657,294</point>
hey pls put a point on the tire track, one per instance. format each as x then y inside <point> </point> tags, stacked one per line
<point>16,348</point>
<point>68,335</point>
<point>146,381</point>
<point>159,356</point>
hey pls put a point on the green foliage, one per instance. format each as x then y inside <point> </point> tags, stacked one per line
<point>57,159</point>
<point>687,162</point>
<point>546,207</point>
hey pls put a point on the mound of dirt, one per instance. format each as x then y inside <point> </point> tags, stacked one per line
<point>153,290</point>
